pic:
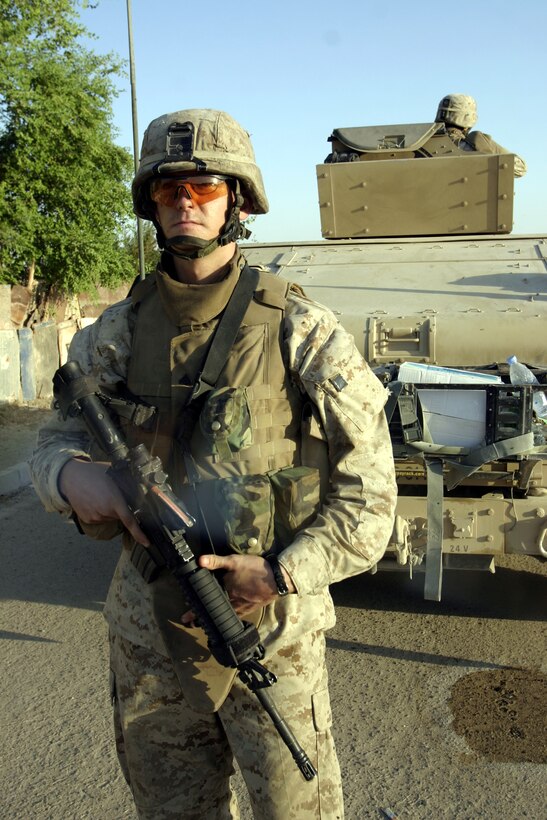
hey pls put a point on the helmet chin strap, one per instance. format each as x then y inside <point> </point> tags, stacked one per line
<point>190,247</point>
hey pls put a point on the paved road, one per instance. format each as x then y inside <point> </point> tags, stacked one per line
<point>394,662</point>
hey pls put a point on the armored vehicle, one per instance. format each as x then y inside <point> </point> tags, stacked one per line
<point>420,265</point>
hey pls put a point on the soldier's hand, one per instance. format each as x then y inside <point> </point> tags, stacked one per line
<point>248,580</point>
<point>94,496</point>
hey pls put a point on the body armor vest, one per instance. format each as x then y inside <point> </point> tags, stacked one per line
<point>233,454</point>
<point>482,143</point>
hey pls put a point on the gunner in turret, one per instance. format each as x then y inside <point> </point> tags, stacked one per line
<point>458,112</point>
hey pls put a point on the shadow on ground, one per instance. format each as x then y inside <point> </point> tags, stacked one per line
<point>517,592</point>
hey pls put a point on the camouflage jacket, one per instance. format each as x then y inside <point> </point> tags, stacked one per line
<point>351,532</point>
<point>484,144</point>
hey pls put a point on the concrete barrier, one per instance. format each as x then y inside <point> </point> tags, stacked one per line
<point>29,356</point>
<point>10,379</point>
<point>66,331</point>
<point>28,367</point>
<point>14,478</point>
<point>46,357</point>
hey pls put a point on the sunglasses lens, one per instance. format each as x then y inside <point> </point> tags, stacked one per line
<point>199,189</point>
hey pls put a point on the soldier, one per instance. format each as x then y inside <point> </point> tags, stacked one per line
<point>458,112</point>
<point>287,454</point>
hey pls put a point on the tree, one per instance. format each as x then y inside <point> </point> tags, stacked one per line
<point>65,207</point>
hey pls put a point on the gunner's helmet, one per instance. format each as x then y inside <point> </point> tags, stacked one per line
<point>457,109</point>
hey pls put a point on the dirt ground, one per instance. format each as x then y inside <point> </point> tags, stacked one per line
<point>439,708</point>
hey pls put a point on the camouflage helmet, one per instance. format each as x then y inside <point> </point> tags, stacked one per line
<point>457,109</point>
<point>203,140</point>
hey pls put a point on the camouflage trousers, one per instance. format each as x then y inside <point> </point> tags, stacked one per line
<point>178,762</point>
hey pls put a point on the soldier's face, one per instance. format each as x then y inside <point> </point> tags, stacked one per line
<point>189,213</point>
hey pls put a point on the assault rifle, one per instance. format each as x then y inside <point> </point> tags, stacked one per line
<point>162,517</point>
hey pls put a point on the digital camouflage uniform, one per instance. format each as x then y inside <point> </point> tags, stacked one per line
<point>180,718</point>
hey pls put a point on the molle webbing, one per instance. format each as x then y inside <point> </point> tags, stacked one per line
<point>272,430</point>
<point>167,358</point>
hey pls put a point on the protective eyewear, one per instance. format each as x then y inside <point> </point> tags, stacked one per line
<point>199,189</point>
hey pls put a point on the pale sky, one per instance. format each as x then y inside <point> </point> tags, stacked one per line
<point>291,72</point>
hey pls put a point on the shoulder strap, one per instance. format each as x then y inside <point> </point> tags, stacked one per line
<point>141,287</point>
<point>226,332</point>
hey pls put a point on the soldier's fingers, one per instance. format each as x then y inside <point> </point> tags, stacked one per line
<point>130,523</point>
<point>188,619</point>
<point>218,561</point>
<point>243,608</point>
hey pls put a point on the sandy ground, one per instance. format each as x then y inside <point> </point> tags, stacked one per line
<point>439,708</point>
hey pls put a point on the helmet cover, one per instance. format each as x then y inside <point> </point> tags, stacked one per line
<point>457,109</point>
<point>198,140</point>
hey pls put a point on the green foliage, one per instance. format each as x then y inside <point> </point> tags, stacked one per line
<point>65,207</point>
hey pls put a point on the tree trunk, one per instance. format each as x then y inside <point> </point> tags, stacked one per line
<point>30,271</point>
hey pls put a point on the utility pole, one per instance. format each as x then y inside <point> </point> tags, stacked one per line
<point>140,234</point>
